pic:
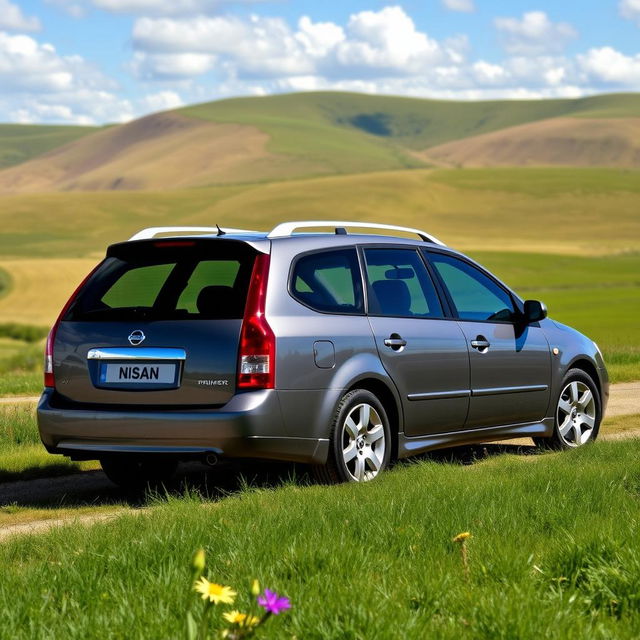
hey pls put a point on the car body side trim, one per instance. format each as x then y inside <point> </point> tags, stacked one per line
<point>491,391</point>
<point>438,395</point>
<point>409,446</point>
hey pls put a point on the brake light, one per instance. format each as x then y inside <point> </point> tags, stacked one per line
<point>49,378</point>
<point>256,359</point>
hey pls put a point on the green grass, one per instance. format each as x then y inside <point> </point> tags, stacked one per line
<point>20,142</point>
<point>545,183</point>
<point>550,556</point>
<point>21,383</point>
<point>22,456</point>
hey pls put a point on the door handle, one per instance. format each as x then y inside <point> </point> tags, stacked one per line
<point>395,342</point>
<point>481,344</point>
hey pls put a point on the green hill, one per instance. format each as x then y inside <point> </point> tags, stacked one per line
<point>21,142</point>
<point>415,123</point>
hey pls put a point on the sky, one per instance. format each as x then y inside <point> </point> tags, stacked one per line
<point>100,61</point>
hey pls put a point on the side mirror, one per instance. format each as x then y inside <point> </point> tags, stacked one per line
<point>534,310</point>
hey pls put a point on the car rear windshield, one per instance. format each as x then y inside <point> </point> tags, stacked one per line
<point>163,282</point>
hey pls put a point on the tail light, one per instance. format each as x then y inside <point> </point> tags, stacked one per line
<point>49,378</point>
<point>256,360</point>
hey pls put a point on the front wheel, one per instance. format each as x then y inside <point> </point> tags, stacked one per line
<point>135,474</point>
<point>360,440</point>
<point>578,413</point>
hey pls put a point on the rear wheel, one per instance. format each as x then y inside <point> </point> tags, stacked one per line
<point>360,440</point>
<point>138,473</point>
<point>578,413</point>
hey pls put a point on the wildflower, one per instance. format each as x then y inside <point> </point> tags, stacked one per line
<point>461,537</point>
<point>255,588</point>
<point>273,603</point>
<point>215,593</point>
<point>241,619</point>
<point>198,561</point>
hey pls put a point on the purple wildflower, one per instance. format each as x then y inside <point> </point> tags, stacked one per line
<point>273,603</point>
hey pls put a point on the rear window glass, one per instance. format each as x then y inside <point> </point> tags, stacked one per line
<point>182,284</point>
<point>329,281</point>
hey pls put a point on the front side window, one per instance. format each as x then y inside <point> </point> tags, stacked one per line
<point>474,294</point>
<point>329,281</point>
<point>399,284</point>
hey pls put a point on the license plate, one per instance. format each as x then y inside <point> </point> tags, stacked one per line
<point>138,374</point>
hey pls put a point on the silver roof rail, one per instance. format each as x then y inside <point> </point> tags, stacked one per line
<point>287,228</point>
<point>152,232</point>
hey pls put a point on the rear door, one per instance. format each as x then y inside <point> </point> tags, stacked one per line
<point>424,353</point>
<point>157,324</point>
<point>510,361</point>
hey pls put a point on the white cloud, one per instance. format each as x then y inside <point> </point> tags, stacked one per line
<point>489,74</point>
<point>12,18</point>
<point>630,9</point>
<point>161,101</point>
<point>40,85</point>
<point>466,6</point>
<point>382,43</point>
<point>170,66</point>
<point>534,34</point>
<point>606,65</point>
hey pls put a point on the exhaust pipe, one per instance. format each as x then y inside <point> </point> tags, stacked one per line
<point>211,459</point>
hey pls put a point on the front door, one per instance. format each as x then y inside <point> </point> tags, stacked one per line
<point>510,361</point>
<point>424,354</point>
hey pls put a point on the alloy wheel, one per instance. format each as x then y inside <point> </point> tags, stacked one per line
<point>576,414</point>
<point>363,442</point>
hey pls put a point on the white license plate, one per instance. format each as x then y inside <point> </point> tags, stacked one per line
<point>149,373</point>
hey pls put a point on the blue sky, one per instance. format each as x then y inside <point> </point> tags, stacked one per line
<point>96,61</point>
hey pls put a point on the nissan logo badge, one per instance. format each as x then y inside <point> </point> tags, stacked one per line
<point>136,337</point>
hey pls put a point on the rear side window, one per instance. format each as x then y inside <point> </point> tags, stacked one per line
<point>399,284</point>
<point>329,281</point>
<point>164,285</point>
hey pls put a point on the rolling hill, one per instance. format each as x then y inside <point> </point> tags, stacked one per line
<point>21,142</point>
<point>281,137</point>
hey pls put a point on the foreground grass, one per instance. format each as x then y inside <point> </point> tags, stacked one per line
<point>22,456</point>
<point>555,553</point>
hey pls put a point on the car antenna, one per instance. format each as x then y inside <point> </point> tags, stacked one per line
<point>220,231</point>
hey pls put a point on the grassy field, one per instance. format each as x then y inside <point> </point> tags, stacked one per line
<point>547,232</point>
<point>548,557</point>
<point>563,211</point>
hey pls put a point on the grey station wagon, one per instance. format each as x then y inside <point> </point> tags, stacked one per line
<point>344,351</point>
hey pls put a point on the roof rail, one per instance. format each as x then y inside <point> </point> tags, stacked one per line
<point>287,228</point>
<point>152,232</point>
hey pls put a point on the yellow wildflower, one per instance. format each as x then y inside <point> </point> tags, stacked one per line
<point>242,619</point>
<point>461,537</point>
<point>215,593</point>
<point>198,560</point>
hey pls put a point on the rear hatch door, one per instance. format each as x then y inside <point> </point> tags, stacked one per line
<point>158,323</point>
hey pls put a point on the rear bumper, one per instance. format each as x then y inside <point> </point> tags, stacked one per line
<point>250,425</point>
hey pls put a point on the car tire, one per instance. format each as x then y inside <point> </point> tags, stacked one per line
<point>577,413</point>
<point>135,474</point>
<point>359,440</point>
